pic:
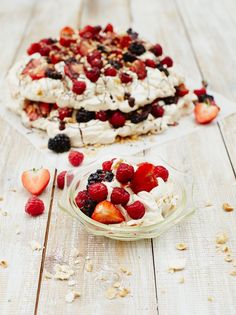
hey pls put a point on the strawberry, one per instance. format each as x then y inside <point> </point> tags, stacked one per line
<point>34,206</point>
<point>205,112</point>
<point>181,90</point>
<point>35,69</point>
<point>144,178</point>
<point>35,181</point>
<point>140,69</point>
<point>106,212</point>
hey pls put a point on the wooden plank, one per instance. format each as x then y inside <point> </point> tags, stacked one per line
<point>104,253</point>
<point>19,282</point>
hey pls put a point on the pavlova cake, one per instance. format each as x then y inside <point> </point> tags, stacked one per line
<point>94,86</point>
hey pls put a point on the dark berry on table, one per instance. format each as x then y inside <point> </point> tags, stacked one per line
<point>136,48</point>
<point>132,34</point>
<point>102,115</point>
<point>117,119</point>
<point>83,115</point>
<point>156,50</point>
<point>167,61</point>
<point>125,78</point>
<point>53,74</point>
<point>60,143</point>
<point>116,64</point>
<point>157,111</point>
<point>162,69</point>
<point>93,74</point>
<point>110,72</point>
<point>79,87</point>
<point>127,57</point>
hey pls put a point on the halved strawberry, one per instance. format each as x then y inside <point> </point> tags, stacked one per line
<point>205,112</point>
<point>83,48</point>
<point>44,109</point>
<point>73,70</point>
<point>66,36</point>
<point>35,181</point>
<point>144,178</point>
<point>106,212</point>
<point>139,68</point>
<point>181,90</point>
<point>67,31</point>
<point>35,69</point>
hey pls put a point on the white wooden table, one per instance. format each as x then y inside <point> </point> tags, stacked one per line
<point>200,35</point>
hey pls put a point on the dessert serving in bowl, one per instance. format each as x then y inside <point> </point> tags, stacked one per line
<point>128,199</point>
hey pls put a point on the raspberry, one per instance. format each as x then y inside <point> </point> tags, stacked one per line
<point>124,173</point>
<point>110,72</point>
<point>33,48</point>
<point>98,192</point>
<point>101,116</point>
<point>96,54</point>
<point>200,92</point>
<point>106,166</point>
<point>150,63</point>
<point>65,42</point>
<point>81,198</point>
<point>44,50</point>
<point>93,74</point>
<point>97,63</point>
<point>75,158</point>
<point>125,77</point>
<point>125,41</point>
<point>34,206</point>
<point>161,171</point>
<point>79,87</point>
<point>60,143</point>
<point>157,110</point>
<point>156,50</point>
<point>64,112</point>
<point>87,32</point>
<point>167,61</point>
<point>119,196</point>
<point>136,210</point>
<point>117,120</point>
<point>108,28</point>
<point>61,179</point>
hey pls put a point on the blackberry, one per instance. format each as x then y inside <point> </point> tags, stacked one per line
<point>136,48</point>
<point>83,115</point>
<point>140,115</point>
<point>53,74</point>
<point>132,34</point>
<point>99,176</point>
<point>89,207</point>
<point>101,48</point>
<point>70,60</point>
<point>162,69</point>
<point>116,64</point>
<point>127,57</point>
<point>131,101</point>
<point>170,100</point>
<point>60,143</point>
<point>205,97</point>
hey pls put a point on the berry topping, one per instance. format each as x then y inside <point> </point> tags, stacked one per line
<point>93,74</point>
<point>144,178</point>
<point>73,69</point>
<point>157,110</point>
<point>83,115</point>
<point>140,115</point>
<point>66,35</point>
<point>64,112</point>
<point>106,212</point>
<point>87,32</point>
<point>140,69</point>
<point>136,210</point>
<point>34,206</point>
<point>110,72</point>
<point>136,48</point>
<point>125,77</point>
<point>124,173</point>
<point>35,181</point>
<point>167,61</point>
<point>60,143</point>
<point>117,119</point>
<point>79,87</point>
<point>33,48</point>
<point>134,35</point>
<point>98,192</point>
<point>127,57</point>
<point>85,204</point>
<point>106,166</point>
<point>156,50</point>
<point>108,28</point>
<point>99,176</point>
<point>96,54</point>
<point>150,63</point>
<point>44,109</point>
<point>125,41</point>
<point>116,64</point>
<point>61,179</point>
<point>161,171</point>
<point>75,158</point>
<point>119,196</point>
<point>102,116</point>
<point>181,90</point>
<point>205,112</point>
<point>200,92</point>
<point>35,69</point>
<point>53,74</point>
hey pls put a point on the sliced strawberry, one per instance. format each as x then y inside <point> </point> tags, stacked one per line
<point>67,31</point>
<point>181,90</point>
<point>106,212</point>
<point>66,36</point>
<point>45,109</point>
<point>73,70</point>
<point>35,69</point>
<point>84,47</point>
<point>205,112</point>
<point>35,181</point>
<point>144,178</point>
<point>140,69</point>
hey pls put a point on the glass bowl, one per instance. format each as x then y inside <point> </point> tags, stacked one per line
<point>183,186</point>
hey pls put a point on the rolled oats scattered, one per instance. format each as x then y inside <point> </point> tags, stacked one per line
<point>48,275</point>
<point>71,296</point>
<point>35,246</point>
<point>227,207</point>
<point>123,292</point>
<point>3,263</point>
<point>116,285</point>
<point>221,238</point>
<point>225,249</point>
<point>181,246</point>
<point>181,280</point>
<point>63,272</point>
<point>234,263</point>
<point>210,298</point>
<point>228,258</point>
<point>177,265</point>
<point>111,293</point>
<point>1,198</point>
<point>89,267</point>
<point>233,273</point>
<point>71,283</point>
<point>75,252</point>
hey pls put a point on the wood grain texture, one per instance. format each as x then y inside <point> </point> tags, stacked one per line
<point>19,282</point>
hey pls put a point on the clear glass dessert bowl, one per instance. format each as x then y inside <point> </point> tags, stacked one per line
<point>182,184</point>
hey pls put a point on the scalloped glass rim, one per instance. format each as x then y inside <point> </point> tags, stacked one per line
<point>184,209</point>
